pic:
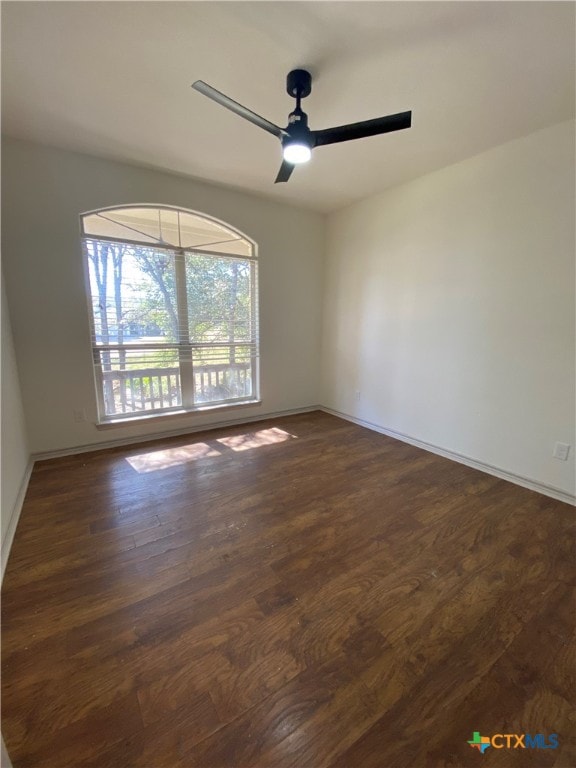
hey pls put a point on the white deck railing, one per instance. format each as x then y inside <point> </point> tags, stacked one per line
<point>147,389</point>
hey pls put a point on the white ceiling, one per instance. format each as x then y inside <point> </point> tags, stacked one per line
<point>113,79</point>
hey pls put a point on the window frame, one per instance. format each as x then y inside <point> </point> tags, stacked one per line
<point>184,348</point>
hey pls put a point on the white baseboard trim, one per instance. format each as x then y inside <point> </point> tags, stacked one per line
<point>525,482</point>
<point>172,433</point>
<point>16,510</point>
<point>4,758</point>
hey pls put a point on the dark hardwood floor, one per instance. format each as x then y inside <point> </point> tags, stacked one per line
<point>297,593</point>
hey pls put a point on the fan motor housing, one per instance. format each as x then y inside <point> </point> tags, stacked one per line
<point>299,83</point>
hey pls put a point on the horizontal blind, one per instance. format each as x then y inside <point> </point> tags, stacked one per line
<point>134,298</point>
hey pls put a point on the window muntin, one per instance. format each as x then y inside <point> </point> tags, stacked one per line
<point>173,328</point>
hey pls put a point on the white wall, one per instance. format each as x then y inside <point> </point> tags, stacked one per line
<point>449,305</point>
<point>15,454</point>
<point>44,191</point>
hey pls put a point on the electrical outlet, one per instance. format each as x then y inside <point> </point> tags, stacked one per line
<point>561,451</point>
<point>358,395</point>
<point>79,415</point>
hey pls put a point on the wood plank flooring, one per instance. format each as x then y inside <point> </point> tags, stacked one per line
<point>297,593</point>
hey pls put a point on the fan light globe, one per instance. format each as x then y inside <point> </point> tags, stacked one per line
<point>296,153</point>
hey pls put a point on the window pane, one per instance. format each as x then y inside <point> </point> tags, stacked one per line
<point>133,293</point>
<point>236,247</point>
<point>104,225</point>
<point>222,373</point>
<point>199,233</point>
<point>139,380</point>
<point>170,226</point>
<point>219,292</point>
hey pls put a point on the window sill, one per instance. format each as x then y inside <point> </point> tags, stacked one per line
<point>173,415</point>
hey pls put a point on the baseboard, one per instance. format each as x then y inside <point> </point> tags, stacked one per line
<point>4,758</point>
<point>525,482</point>
<point>16,510</point>
<point>172,433</point>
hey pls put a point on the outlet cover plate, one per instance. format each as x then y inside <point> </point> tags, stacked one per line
<point>561,451</point>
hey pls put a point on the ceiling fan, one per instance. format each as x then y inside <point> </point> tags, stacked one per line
<point>297,139</point>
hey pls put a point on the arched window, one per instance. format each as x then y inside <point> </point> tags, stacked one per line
<point>173,309</point>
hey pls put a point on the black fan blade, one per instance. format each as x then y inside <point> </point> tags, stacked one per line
<point>361,130</point>
<point>285,172</point>
<point>232,105</point>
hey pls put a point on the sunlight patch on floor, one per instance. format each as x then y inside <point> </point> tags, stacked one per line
<point>255,439</point>
<point>173,457</point>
